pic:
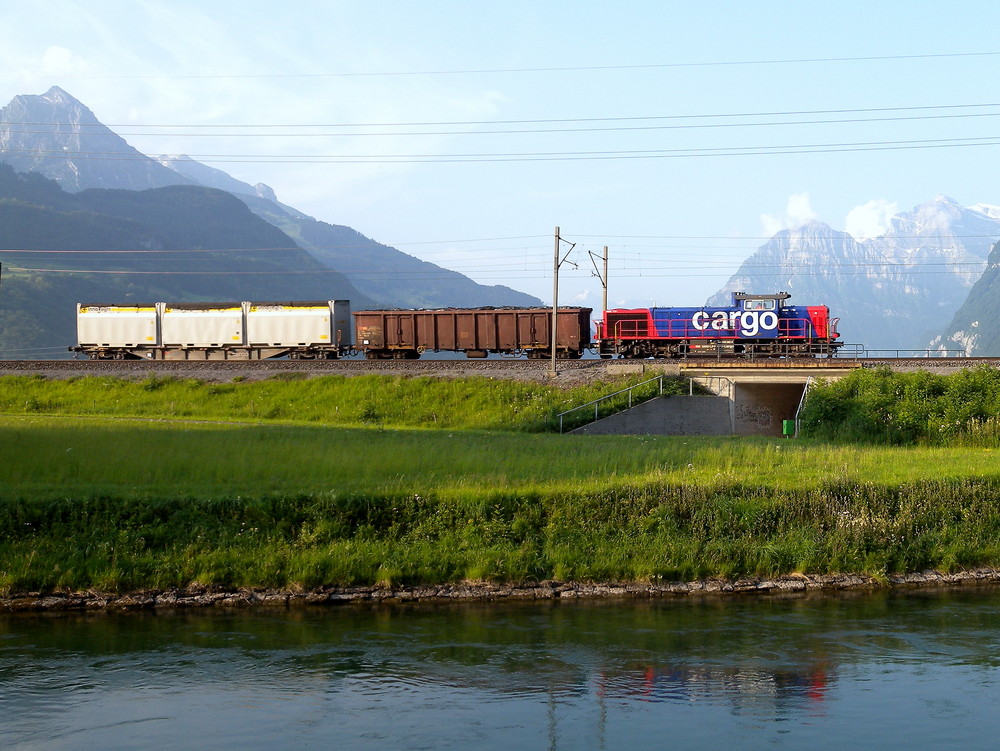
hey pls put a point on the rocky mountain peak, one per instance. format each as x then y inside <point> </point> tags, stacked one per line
<point>893,291</point>
<point>936,215</point>
<point>59,96</point>
<point>811,229</point>
<point>55,107</point>
<point>70,137</point>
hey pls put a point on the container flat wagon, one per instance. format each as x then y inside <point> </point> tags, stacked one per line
<point>478,332</point>
<point>214,330</point>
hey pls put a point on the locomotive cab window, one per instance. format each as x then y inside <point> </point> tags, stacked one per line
<point>758,304</point>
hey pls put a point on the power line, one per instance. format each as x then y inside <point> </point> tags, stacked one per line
<point>754,270</point>
<point>561,69</point>
<point>268,272</point>
<point>320,158</point>
<point>776,113</point>
<point>628,248</point>
<point>778,150</point>
<point>534,131</point>
<point>294,249</point>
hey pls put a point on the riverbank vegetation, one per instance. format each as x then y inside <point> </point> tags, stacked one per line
<point>116,486</point>
<point>119,505</point>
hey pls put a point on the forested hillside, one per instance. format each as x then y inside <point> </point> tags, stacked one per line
<point>174,243</point>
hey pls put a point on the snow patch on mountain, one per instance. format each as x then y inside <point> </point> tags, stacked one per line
<point>993,212</point>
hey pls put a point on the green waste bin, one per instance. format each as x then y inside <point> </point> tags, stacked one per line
<point>788,427</point>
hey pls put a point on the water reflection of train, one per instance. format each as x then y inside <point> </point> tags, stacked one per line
<point>742,687</point>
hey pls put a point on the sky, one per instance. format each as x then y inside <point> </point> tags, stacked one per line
<point>679,135</point>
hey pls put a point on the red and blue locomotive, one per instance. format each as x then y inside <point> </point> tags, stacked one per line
<point>753,326</point>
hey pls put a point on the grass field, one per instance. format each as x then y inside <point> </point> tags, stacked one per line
<point>119,504</point>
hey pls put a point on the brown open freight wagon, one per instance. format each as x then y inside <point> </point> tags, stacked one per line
<point>478,332</point>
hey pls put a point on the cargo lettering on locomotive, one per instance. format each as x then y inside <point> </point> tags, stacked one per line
<point>747,323</point>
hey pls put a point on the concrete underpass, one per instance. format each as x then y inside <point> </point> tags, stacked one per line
<point>750,399</point>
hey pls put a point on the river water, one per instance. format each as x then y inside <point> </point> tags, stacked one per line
<point>915,671</point>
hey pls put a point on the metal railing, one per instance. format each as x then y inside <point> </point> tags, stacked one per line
<point>860,352</point>
<point>597,402</point>
<point>802,401</point>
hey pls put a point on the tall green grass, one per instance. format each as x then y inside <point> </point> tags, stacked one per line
<point>119,505</point>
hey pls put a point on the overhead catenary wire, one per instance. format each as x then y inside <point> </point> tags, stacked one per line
<point>582,238</point>
<point>615,128</point>
<point>670,259</point>
<point>631,154</point>
<point>443,123</point>
<point>536,69</point>
<point>444,274</point>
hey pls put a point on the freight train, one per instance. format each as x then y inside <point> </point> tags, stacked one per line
<point>753,326</point>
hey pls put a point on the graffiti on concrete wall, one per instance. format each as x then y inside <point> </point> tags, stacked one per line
<point>758,415</point>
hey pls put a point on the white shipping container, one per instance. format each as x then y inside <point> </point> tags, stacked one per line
<point>298,324</point>
<point>116,325</point>
<point>210,325</point>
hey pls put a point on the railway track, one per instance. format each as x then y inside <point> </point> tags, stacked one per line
<point>568,370</point>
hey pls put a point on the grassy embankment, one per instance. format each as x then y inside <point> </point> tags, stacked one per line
<point>357,401</point>
<point>119,504</point>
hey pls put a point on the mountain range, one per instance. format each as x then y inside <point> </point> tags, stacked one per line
<point>173,228</point>
<point>103,194</point>
<point>897,291</point>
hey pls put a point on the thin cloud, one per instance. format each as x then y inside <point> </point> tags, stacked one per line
<point>798,211</point>
<point>870,219</point>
